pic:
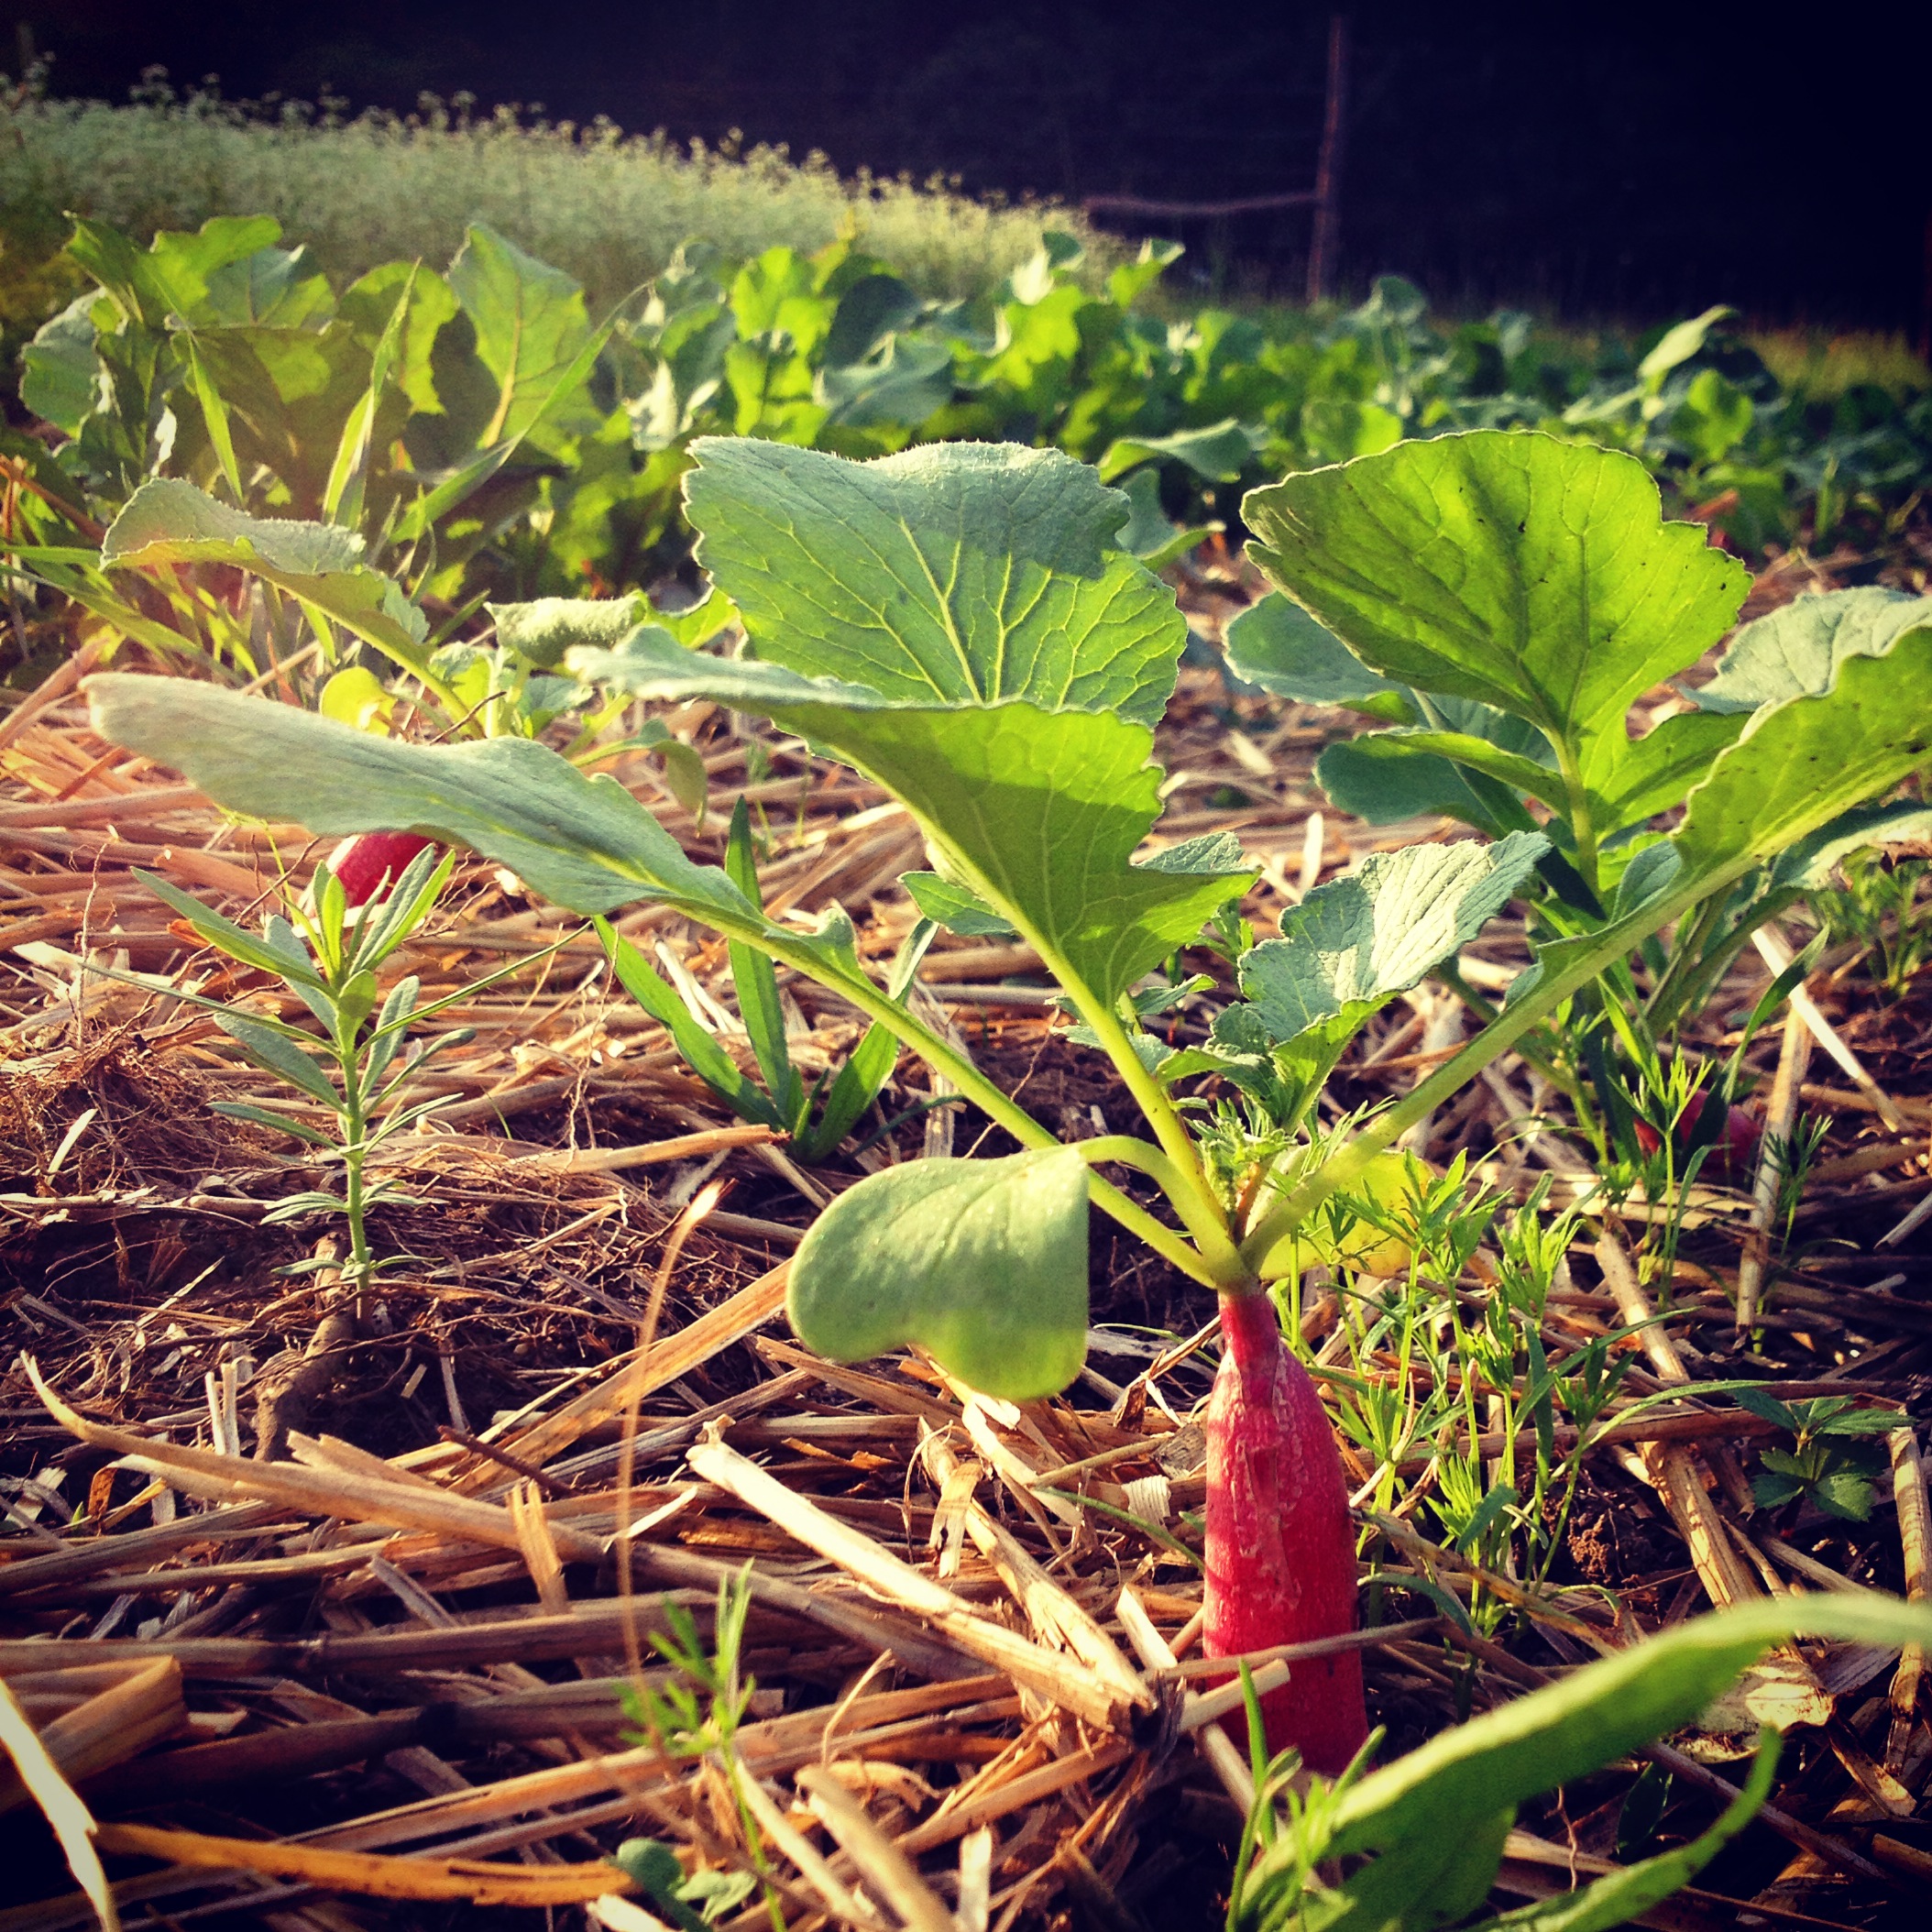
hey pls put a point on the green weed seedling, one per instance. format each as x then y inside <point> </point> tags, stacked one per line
<point>357,1070</point>
<point>957,624</point>
<point>818,1118</point>
<point>695,1715</point>
<point>1882,907</point>
<point>1833,1460</point>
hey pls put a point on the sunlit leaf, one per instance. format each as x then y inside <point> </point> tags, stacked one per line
<point>984,1263</point>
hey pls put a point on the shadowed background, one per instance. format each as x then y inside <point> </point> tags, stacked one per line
<point>1597,164</point>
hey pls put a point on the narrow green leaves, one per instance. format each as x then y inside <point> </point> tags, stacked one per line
<point>984,1263</point>
<point>957,574</point>
<point>1460,1789</point>
<point>1595,1715</point>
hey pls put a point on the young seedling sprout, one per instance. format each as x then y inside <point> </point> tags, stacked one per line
<point>357,1067</point>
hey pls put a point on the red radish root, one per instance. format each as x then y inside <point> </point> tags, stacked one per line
<point>363,864</point>
<point>1735,1150</point>
<point>1281,1551</point>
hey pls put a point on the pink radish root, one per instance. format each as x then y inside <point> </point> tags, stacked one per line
<point>1280,1551</point>
<point>364,864</point>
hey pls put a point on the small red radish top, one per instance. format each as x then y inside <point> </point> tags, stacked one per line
<point>1281,1548</point>
<point>1734,1152</point>
<point>363,864</point>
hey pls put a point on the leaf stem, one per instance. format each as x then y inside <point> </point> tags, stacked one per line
<point>1583,824</point>
<point>798,953</point>
<point>1223,1257</point>
<point>1187,1185</point>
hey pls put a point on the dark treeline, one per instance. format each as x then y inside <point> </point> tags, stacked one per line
<point>1593,160</point>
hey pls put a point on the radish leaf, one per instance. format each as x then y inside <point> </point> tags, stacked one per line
<point>1462,1787</point>
<point>1532,575</point>
<point>957,574</point>
<point>1276,644</point>
<point>1352,945</point>
<point>1798,649</point>
<point>1037,814</point>
<point>168,521</point>
<point>584,843</point>
<point>1801,763</point>
<point>531,327</point>
<point>984,1263</point>
<point>1345,952</point>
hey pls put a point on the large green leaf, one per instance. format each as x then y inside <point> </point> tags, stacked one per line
<point>1218,452</point>
<point>584,843</point>
<point>59,373</point>
<point>1036,813</point>
<point>1596,1716</point>
<point>287,393</point>
<point>981,1262</point>
<point>1801,763</point>
<point>170,279</point>
<point>168,521</point>
<point>1460,1788</point>
<point>1799,649</point>
<point>962,573</point>
<point>529,325</point>
<point>1534,576</point>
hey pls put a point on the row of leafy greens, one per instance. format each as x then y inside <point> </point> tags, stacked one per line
<point>486,434</point>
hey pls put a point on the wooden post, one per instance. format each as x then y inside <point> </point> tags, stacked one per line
<point>1323,247</point>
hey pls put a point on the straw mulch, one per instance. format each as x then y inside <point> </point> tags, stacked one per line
<point>330,1625</point>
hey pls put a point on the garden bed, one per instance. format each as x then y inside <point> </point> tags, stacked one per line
<point>364,1608</point>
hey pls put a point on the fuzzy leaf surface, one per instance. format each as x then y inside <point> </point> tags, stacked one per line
<point>954,574</point>
<point>584,843</point>
<point>167,520</point>
<point>1798,649</point>
<point>1355,944</point>
<point>981,1262</point>
<point>1801,763</point>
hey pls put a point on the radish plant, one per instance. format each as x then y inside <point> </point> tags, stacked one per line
<point>1482,597</point>
<point>957,624</point>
